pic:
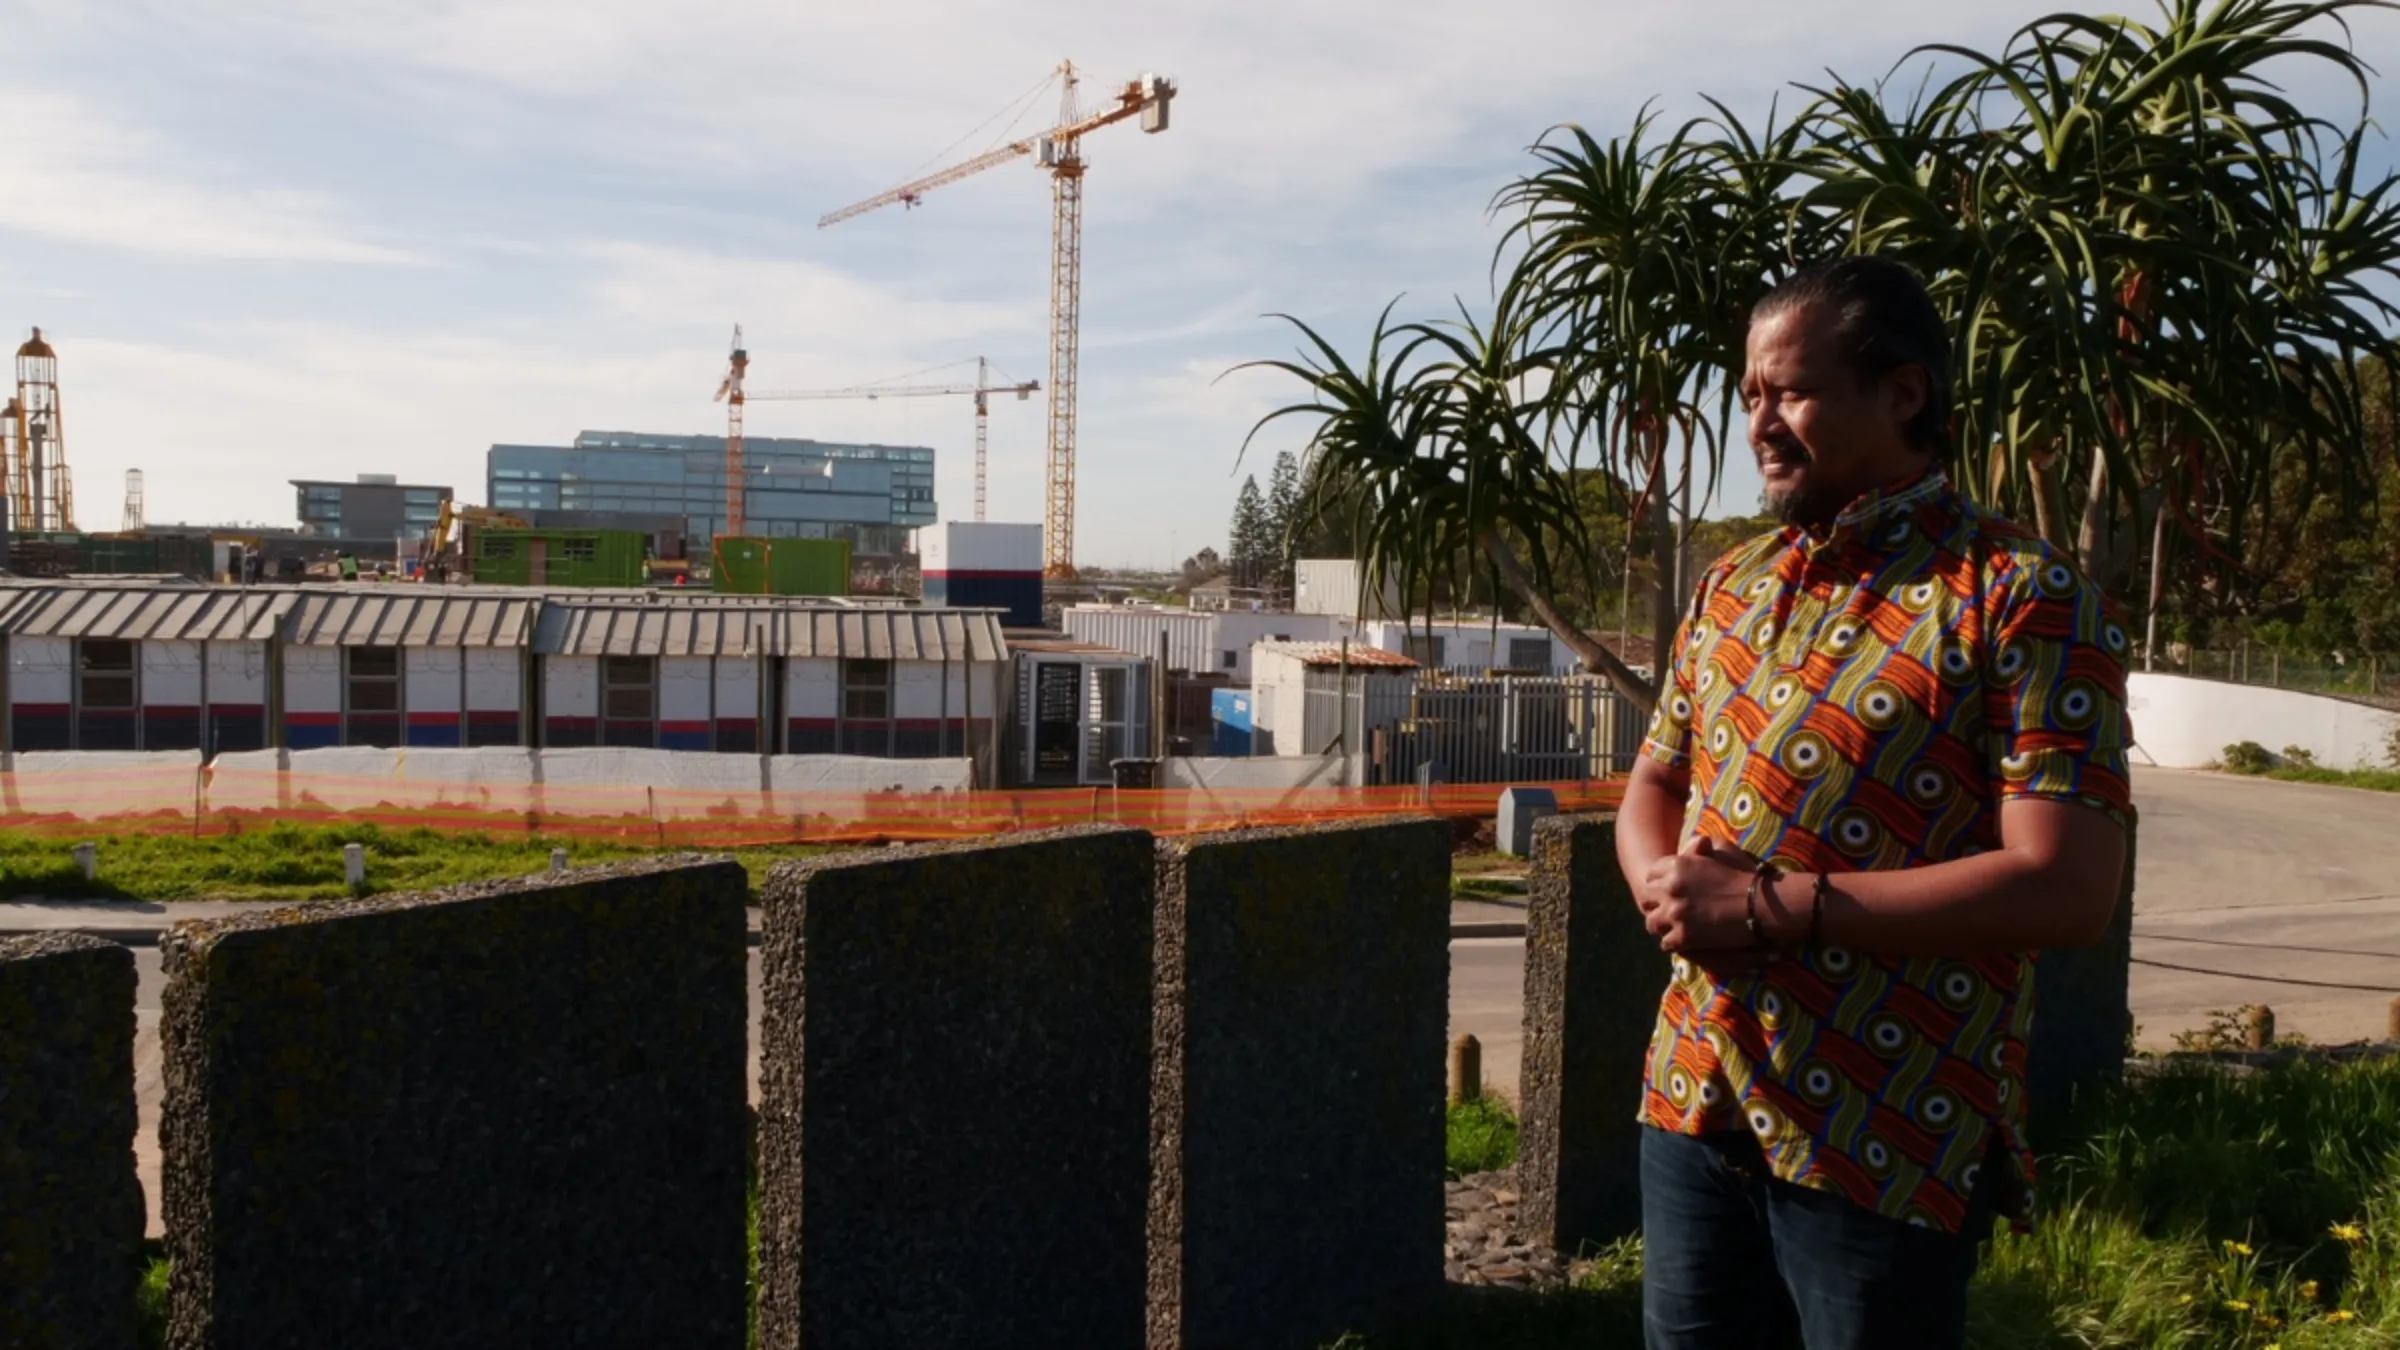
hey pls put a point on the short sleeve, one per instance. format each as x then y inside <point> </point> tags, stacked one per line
<point>1670,737</point>
<point>2055,699</point>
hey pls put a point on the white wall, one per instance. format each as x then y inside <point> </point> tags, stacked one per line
<point>812,688</point>
<point>312,679</point>
<point>2183,723</point>
<point>571,686</point>
<point>432,677</point>
<point>170,674</point>
<point>1471,644</point>
<point>917,694</point>
<point>495,679</point>
<point>237,673</point>
<point>737,688</point>
<point>41,670</point>
<point>683,688</point>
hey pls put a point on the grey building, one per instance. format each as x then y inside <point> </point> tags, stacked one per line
<point>377,506</point>
<point>871,495</point>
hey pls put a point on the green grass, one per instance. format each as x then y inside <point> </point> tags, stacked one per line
<point>2191,1211</point>
<point>2377,780</point>
<point>294,862</point>
<point>1487,888</point>
<point>1482,1136</point>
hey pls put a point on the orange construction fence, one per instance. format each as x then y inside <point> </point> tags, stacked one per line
<point>177,799</point>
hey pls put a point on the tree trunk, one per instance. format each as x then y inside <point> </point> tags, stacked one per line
<point>1665,605</point>
<point>1594,654</point>
<point>2093,545</point>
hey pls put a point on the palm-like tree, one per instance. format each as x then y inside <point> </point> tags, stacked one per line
<point>2161,271</point>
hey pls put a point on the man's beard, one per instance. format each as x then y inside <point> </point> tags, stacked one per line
<point>1807,504</point>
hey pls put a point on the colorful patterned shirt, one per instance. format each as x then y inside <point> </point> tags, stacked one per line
<point>1865,701</point>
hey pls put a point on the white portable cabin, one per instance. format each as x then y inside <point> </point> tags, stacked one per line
<point>1310,698</point>
<point>739,676</point>
<point>1079,707</point>
<point>1474,646</point>
<point>1203,642</point>
<point>392,663</point>
<point>138,666</point>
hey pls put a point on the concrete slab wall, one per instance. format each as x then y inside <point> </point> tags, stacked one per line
<point>70,1207</point>
<point>2184,723</point>
<point>954,1125</point>
<point>1303,989</point>
<point>1593,977</point>
<point>509,1114</point>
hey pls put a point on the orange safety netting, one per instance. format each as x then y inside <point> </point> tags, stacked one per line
<point>206,801</point>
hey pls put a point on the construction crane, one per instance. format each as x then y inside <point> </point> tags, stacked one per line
<point>982,389</point>
<point>1060,150</point>
<point>729,393</point>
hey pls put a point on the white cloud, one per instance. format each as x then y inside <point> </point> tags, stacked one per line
<point>78,174</point>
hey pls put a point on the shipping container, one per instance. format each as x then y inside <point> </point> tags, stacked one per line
<point>501,557</point>
<point>980,546</point>
<point>752,566</point>
<point>1018,598</point>
<point>1337,586</point>
<point>1230,723</point>
<point>1203,642</point>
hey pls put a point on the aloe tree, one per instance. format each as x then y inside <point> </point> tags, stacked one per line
<point>2161,271</point>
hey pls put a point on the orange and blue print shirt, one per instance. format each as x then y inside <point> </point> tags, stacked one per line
<point>1867,700</point>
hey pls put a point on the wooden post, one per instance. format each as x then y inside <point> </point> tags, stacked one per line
<point>2391,1020</point>
<point>2275,677</point>
<point>1466,1070</point>
<point>2258,1027</point>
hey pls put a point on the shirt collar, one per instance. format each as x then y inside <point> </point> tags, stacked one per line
<point>1896,504</point>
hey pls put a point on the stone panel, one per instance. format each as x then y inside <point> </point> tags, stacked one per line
<point>954,1115</point>
<point>2082,1017</point>
<point>1593,978</point>
<point>505,1114</point>
<point>70,1206</point>
<point>1303,984</point>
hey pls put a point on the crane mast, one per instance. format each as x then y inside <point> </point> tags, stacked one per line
<point>1060,150</point>
<point>737,512</point>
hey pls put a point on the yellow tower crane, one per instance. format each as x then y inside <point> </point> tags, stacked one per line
<point>1060,150</point>
<point>737,487</point>
<point>982,389</point>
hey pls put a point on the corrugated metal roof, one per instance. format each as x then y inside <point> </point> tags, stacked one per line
<point>695,630</point>
<point>145,613</point>
<point>1317,655</point>
<point>396,615</point>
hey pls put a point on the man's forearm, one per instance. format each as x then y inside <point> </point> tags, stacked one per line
<point>1650,818</point>
<point>1993,903</point>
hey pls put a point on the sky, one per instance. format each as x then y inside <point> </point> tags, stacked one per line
<point>274,239</point>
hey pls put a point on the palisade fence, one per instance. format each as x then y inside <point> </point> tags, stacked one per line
<point>2373,677</point>
<point>1461,729</point>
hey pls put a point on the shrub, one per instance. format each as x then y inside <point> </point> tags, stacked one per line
<point>2299,757</point>
<point>2248,757</point>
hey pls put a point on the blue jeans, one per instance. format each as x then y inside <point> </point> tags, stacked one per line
<point>1724,1242</point>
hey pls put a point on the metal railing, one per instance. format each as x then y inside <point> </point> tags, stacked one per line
<point>2373,677</point>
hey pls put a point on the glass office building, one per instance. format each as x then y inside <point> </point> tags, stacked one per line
<point>870,495</point>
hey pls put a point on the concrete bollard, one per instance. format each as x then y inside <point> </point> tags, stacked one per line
<point>87,861</point>
<point>558,860</point>
<point>2258,1026</point>
<point>1466,1070</point>
<point>354,866</point>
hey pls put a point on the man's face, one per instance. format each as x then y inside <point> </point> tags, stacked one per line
<point>1823,436</point>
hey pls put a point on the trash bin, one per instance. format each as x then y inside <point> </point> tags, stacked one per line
<point>1138,775</point>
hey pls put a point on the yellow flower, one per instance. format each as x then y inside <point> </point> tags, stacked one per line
<point>2340,1315</point>
<point>2349,1232</point>
<point>2237,1305</point>
<point>2186,1300</point>
<point>2238,1248</point>
<point>2269,1321</point>
<point>2308,1289</point>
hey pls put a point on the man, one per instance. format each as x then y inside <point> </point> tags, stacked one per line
<point>345,565</point>
<point>1914,713</point>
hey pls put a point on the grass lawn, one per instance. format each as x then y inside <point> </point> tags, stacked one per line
<point>2192,1210</point>
<point>2378,780</point>
<point>292,862</point>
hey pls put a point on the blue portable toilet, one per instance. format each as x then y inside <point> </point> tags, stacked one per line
<point>1229,723</point>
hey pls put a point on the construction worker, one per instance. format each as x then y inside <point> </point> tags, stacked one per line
<point>345,566</point>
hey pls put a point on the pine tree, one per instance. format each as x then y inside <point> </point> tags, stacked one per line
<point>1249,544</point>
<point>1283,520</point>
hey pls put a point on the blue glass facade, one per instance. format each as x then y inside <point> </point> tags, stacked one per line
<point>871,495</point>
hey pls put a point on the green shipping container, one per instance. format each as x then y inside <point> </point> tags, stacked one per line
<point>749,566</point>
<point>560,557</point>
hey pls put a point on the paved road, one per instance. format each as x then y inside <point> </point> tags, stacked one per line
<point>2268,882</point>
